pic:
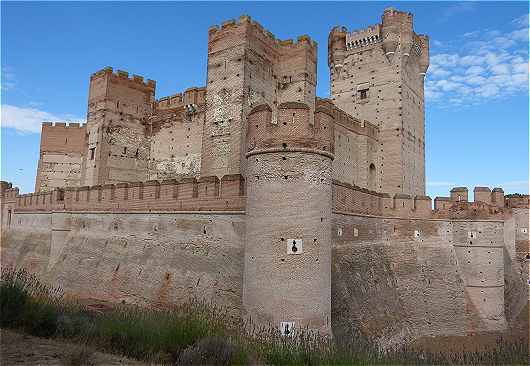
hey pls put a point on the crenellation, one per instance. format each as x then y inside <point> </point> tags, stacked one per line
<point>254,190</point>
<point>459,194</point>
<point>482,194</point>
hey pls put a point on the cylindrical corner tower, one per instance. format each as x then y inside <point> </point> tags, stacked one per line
<point>287,274</point>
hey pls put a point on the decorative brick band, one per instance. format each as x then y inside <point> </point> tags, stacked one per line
<point>288,149</point>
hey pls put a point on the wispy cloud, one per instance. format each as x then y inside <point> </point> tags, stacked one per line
<point>28,119</point>
<point>488,64</point>
<point>456,8</point>
<point>8,79</point>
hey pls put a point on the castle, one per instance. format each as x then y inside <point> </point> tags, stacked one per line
<point>290,209</point>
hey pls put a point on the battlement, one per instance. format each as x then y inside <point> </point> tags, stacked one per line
<point>124,75</point>
<point>348,198</point>
<point>396,27</point>
<point>392,16</point>
<point>363,37</point>
<point>245,24</point>
<point>62,125</point>
<point>482,196</point>
<point>7,191</point>
<point>292,131</point>
<point>193,95</point>
<point>204,194</point>
<point>60,137</point>
<point>517,201</point>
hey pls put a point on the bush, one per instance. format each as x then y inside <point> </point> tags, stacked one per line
<point>26,302</point>
<point>13,300</point>
<point>40,318</point>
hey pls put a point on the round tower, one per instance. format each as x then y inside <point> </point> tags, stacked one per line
<point>287,271</point>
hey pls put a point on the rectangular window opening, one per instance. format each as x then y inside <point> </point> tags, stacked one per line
<point>363,94</point>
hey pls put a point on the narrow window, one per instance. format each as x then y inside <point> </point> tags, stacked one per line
<point>124,150</point>
<point>92,153</point>
<point>8,217</point>
<point>363,94</point>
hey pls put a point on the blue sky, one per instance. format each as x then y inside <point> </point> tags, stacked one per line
<point>477,85</point>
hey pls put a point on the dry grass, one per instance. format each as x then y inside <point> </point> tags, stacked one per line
<point>198,333</point>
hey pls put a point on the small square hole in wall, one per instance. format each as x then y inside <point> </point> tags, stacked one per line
<point>355,231</point>
<point>524,230</point>
<point>472,234</point>
<point>339,231</point>
<point>287,329</point>
<point>294,246</point>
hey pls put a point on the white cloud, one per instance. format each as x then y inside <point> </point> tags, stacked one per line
<point>8,79</point>
<point>521,21</point>
<point>30,119</point>
<point>487,64</point>
<point>475,70</point>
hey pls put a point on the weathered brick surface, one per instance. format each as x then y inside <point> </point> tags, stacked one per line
<point>377,74</point>
<point>247,66</point>
<point>61,156</point>
<point>289,186</point>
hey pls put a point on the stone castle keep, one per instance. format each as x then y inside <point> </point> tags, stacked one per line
<point>255,194</point>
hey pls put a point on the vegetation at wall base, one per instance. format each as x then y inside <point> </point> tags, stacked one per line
<point>198,333</point>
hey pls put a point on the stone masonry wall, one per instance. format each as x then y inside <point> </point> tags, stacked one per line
<point>141,258</point>
<point>62,152</point>
<point>400,279</point>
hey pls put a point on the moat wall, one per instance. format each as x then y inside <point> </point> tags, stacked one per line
<point>387,281</point>
<point>401,279</point>
<point>141,258</point>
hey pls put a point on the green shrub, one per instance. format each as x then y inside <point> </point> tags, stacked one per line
<point>40,318</point>
<point>13,300</point>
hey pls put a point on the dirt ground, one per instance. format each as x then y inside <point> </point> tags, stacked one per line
<point>21,349</point>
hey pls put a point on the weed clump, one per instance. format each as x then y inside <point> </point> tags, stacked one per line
<point>199,333</point>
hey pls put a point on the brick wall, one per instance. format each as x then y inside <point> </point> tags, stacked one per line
<point>373,79</point>
<point>62,151</point>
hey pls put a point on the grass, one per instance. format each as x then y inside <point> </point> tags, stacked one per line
<point>197,333</point>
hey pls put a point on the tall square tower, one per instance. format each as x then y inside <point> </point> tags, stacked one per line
<point>117,145</point>
<point>248,66</point>
<point>377,74</point>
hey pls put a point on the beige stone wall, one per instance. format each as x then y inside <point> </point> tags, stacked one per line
<point>141,258</point>
<point>59,170</point>
<point>401,279</point>
<point>61,159</point>
<point>176,145</point>
<point>118,148</point>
